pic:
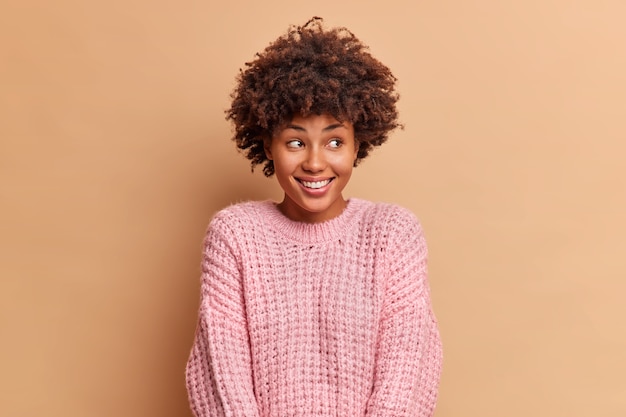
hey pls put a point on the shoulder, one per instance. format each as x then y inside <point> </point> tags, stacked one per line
<point>236,222</point>
<point>239,214</point>
<point>399,229</point>
<point>388,215</point>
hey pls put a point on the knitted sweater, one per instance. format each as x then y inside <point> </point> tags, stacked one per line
<point>314,319</point>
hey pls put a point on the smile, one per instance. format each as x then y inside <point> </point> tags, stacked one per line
<point>315,184</point>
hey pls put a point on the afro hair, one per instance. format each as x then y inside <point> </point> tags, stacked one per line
<point>311,70</point>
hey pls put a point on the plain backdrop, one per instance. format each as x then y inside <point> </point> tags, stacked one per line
<point>114,155</point>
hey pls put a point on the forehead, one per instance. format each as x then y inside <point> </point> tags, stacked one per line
<point>316,123</point>
<point>315,119</point>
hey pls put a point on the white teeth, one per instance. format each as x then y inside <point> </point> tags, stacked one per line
<point>315,184</point>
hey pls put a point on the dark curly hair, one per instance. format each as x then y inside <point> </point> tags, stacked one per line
<point>310,70</point>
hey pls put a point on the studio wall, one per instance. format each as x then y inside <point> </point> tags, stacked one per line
<point>114,155</point>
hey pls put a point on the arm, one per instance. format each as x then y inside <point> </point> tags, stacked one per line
<point>409,356</point>
<point>219,369</point>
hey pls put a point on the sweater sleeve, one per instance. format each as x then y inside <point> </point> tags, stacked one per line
<point>219,369</point>
<point>409,354</point>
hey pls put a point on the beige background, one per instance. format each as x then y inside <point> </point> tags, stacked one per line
<point>114,154</point>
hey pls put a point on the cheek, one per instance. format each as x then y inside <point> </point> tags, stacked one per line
<point>284,164</point>
<point>344,163</point>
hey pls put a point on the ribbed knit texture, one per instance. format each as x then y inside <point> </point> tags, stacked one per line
<point>322,319</point>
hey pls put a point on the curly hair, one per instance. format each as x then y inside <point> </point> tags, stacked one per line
<point>310,70</point>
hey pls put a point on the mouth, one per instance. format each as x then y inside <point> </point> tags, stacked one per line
<point>315,185</point>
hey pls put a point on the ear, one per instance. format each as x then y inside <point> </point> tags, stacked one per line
<point>267,143</point>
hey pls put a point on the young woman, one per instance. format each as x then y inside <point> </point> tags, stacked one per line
<point>317,305</point>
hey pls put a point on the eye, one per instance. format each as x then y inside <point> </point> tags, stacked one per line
<point>295,144</point>
<point>335,143</point>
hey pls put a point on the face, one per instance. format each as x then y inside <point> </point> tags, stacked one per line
<point>313,159</point>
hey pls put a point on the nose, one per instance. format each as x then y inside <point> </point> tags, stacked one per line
<point>314,160</point>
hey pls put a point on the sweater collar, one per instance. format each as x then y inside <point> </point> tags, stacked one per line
<point>303,232</point>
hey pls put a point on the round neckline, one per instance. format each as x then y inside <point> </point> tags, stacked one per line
<point>304,232</point>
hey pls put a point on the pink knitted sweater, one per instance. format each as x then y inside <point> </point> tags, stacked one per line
<point>314,319</point>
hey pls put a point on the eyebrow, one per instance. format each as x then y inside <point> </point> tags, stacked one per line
<point>326,129</point>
